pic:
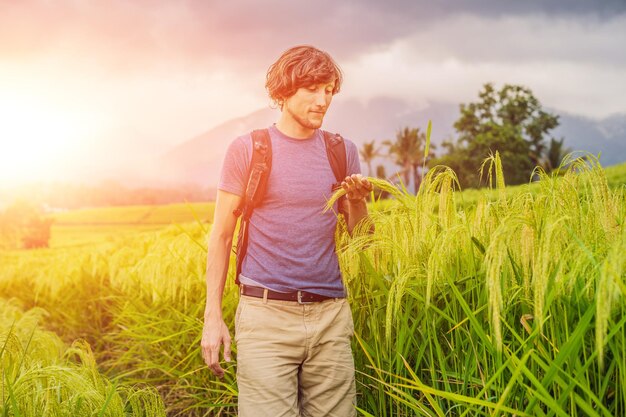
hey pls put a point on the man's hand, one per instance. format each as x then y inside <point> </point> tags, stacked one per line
<point>357,187</point>
<point>214,334</point>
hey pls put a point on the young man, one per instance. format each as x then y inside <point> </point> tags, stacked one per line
<point>293,358</point>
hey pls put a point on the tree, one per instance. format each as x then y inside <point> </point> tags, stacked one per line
<point>37,232</point>
<point>408,152</point>
<point>22,225</point>
<point>510,121</point>
<point>381,173</point>
<point>554,155</point>
<point>368,152</point>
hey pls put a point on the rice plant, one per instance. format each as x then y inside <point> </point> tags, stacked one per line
<point>507,301</point>
<point>511,306</point>
<point>43,377</point>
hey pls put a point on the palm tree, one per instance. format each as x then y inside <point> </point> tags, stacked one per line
<point>381,173</point>
<point>368,153</point>
<point>555,154</point>
<point>401,150</point>
<point>408,152</point>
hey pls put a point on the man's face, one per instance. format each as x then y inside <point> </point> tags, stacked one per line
<point>308,105</point>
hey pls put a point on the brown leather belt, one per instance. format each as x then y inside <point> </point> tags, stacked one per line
<point>301,297</point>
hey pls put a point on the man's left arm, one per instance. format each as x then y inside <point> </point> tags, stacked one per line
<point>357,188</point>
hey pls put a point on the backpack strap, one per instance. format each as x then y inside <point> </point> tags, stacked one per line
<point>258,173</point>
<point>336,153</point>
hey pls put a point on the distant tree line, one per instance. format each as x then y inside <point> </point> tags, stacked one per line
<point>510,121</point>
<point>25,222</point>
<point>109,193</point>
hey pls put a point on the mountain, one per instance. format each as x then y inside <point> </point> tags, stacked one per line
<point>606,136</point>
<point>199,159</point>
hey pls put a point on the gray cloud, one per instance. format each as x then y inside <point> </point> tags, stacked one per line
<point>123,43</point>
<point>128,36</point>
<point>157,72</point>
<point>497,8</point>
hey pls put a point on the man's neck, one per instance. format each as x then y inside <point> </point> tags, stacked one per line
<point>293,129</point>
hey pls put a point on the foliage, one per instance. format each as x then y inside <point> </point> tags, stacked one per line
<point>368,152</point>
<point>23,225</point>
<point>555,153</point>
<point>495,309</point>
<point>43,377</point>
<point>490,302</point>
<point>409,151</point>
<point>510,121</point>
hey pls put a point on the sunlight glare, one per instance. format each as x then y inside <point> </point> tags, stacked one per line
<point>36,137</point>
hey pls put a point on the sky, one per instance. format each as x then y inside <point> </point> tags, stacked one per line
<point>88,86</point>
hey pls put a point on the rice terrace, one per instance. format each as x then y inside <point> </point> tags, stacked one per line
<point>312,209</point>
<point>502,301</point>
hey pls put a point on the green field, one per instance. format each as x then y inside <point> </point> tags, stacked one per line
<point>481,303</point>
<point>87,226</point>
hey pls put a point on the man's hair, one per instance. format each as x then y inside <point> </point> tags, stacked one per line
<point>301,66</point>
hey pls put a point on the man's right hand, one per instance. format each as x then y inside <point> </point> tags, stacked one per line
<point>214,334</point>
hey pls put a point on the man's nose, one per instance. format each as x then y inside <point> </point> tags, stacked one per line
<point>320,99</point>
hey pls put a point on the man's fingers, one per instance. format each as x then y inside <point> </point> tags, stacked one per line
<point>227,349</point>
<point>356,186</point>
<point>217,370</point>
<point>214,362</point>
<point>214,335</point>
<point>206,355</point>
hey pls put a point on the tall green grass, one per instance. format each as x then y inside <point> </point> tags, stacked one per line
<point>501,302</point>
<point>512,306</point>
<point>43,377</point>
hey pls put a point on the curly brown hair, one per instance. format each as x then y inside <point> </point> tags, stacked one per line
<point>301,66</point>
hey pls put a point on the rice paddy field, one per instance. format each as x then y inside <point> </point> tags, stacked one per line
<point>501,302</point>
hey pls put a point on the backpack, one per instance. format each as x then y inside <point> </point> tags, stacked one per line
<point>258,174</point>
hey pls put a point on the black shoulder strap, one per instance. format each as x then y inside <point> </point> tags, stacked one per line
<point>256,186</point>
<point>258,172</point>
<point>336,153</point>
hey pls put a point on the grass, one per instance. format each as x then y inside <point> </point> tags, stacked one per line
<point>41,376</point>
<point>160,215</point>
<point>88,226</point>
<point>487,302</point>
<point>497,308</point>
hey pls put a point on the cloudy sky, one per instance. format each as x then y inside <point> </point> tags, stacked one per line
<point>86,85</point>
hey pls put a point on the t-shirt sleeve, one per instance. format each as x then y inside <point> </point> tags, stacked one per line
<point>352,157</point>
<point>235,168</point>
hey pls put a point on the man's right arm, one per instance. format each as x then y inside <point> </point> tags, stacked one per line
<point>215,332</point>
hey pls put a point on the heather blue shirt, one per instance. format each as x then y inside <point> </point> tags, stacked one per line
<point>291,244</point>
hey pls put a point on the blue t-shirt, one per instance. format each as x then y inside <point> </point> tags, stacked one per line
<point>291,242</point>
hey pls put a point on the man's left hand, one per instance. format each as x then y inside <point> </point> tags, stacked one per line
<point>357,187</point>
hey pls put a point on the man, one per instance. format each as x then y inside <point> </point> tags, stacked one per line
<point>293,358</point>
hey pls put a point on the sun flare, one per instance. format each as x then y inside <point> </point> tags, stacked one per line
<point>37,137</point>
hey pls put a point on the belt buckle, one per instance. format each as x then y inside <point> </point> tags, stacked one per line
<point>300,299</point>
